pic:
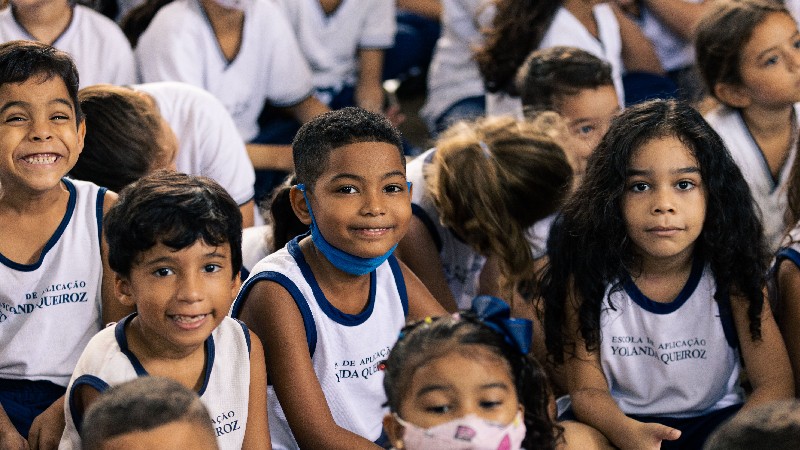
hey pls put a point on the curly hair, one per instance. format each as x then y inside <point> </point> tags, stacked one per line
<point>518,174</point>
<point>731,241</point>
<point>426,340</point>
<point>517,29</point>
<point>723,32</point>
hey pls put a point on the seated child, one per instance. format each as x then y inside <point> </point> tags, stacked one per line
<point>133,131</point>
<point>148,412</point>
<point>175,245</point>
<point>95,42</point>
<point>52,261</point>
<point>468,381</point>
<point>329,306</point>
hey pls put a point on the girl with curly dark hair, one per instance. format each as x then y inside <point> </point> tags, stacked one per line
<point>655,285</point>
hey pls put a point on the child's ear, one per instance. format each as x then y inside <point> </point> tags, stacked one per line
<point>393,430</point>
<point>122,289</point>
<point>299,205</point>
<point>81,134</point>
<point>731,94</point>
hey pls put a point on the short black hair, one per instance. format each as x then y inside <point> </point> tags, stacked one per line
<point>176,210</point>
<point>316,139</point>
<point>142,404</point>
<point>21,61</point>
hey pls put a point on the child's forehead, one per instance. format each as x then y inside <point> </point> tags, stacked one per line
<point>42,87</point>
<point>364,157</point>
<point>199,249</point>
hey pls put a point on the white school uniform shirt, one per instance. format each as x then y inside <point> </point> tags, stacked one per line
<point>179,45</point>
<point>453,74</point>
<point>254,246</point>
<point>345,349</point>
<point>208,142</point>
<point>677,359</point>
<point>330,43</point>
<point>96,44</point>
<point>673,51</point>
<point>769,194</point>
<point>50,309</point>
<point>107,362</point>
<point>567,30</point>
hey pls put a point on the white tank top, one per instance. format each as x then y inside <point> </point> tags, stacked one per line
<point>677,359</point>
<point>108,362</point>
<point>345,348</point>
<point>50,309</point>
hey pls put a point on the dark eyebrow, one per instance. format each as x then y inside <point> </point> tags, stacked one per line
<point>761,55</point>
<point>496,384</point>
<point>432,388</point>
<point>642,172</point>
<point>394,173</point>
<point>22,104</point>
<point>13,104</point>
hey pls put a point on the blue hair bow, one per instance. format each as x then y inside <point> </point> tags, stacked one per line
<point>496,314</point>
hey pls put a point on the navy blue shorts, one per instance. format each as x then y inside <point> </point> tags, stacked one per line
<point>23,400</point>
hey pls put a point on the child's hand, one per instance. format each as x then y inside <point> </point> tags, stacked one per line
<point>11,440</point>
<point>646,436</point>
<point>47,427</point>
<point>369,97</point>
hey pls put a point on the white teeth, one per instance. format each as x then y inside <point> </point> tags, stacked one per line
<point>41,159</point>
<point>189,319</point>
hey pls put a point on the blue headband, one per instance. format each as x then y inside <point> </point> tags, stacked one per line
<point>495,314</point>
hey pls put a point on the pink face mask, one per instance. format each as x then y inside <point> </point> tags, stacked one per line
<point>465,433</point>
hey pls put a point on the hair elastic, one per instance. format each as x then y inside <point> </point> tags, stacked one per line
<point>486,151</point>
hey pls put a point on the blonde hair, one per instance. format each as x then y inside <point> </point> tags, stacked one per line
<point>494,178</point>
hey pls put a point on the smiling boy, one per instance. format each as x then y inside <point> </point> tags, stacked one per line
<point>175,245</point>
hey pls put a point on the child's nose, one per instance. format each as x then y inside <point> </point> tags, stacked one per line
<point>40,131</point>
<point>373,204</point>
<point>190,289</point>
<point>663,202</point>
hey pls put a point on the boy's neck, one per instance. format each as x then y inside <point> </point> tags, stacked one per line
<point>661,280</point>
<point>348,293</point>
<point>33,203</point>
<point>45,21</point>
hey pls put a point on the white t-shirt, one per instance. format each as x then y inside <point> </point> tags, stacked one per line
<point>254,246</point>
<point>673,51</point>
<point>179,45</point>
<point>107,361</point>
<point>97,45</point>
<point>345,349</point>
<point>209,144</point>
<point>330,43</point>
<point>769,194</point>
<point>50,309</point>
<point>567,30</point>
<point>453,73</point>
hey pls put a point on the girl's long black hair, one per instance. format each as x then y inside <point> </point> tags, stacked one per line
<point>589,248</point>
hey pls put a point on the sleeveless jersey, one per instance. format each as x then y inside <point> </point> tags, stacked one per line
<point>768,193</point>
<point>677,359</point>
<point>789,250</point>
<point>345,348</point>
<point>107,362</point>
<point>50,309</point>
<point>462,265</point>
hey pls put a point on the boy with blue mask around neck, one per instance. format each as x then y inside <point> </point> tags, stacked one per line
<point>329,306</point>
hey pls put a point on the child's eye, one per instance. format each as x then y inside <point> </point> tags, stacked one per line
<point>796,44</point>
<point>393,188</point>
<point>211,268</point>
<point>347,190</point>
<point>15,119</point>
<point>639,187</point>
<point>685,185</point>
<point>586,129</point>
<point>771,61</point>
<point>438,409</point>
<point>490,404</point>
<point>60,117</point>
<point>162,272</point>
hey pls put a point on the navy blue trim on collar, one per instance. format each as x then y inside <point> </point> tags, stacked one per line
<point>349,320</point>
<point>122,341</point>
<point>246,334</point>
<point>53,239</point>
<point>787,253</point>
<point>400,282</point>
<point>666,308</point>
<point>419,212</point>
<point>83,380</point>
<point>101,197</point>
<point>763,159</point>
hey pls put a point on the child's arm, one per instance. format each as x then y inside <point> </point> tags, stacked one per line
<point>789,314</point>
<point>112,309</point>
<point>368,92</point>
<point>593,404</point>
<point>680,16</point>
<point>47,427</point>
<point>767,362</point>
<point>256,435</point>
<point>638,53</point>
<point>270,311</point>
<point>9,438</point>
<point>418,251</point>
<point>421,303</point>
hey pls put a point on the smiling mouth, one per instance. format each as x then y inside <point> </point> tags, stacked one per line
<point>188,322</point>
<point>41,158</point>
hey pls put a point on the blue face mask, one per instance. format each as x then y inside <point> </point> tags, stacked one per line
<point>352,264</point>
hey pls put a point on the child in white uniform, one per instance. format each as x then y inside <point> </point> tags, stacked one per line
<point>330,306</point>
<point>134,131</point>
<point>175,245</point>
<point>52,264</point>
<point>748,55</point>
<point>652,318</point>
<point>94,42</point>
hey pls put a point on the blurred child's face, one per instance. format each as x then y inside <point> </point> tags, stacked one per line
<point>361,202</point>
<point>170,436</point>
<point>664,204</point>
<point>180,295</point>
<point>39,139</point>
<point>770,63</point>
<point>588,114</point>
<point>468,380</point>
